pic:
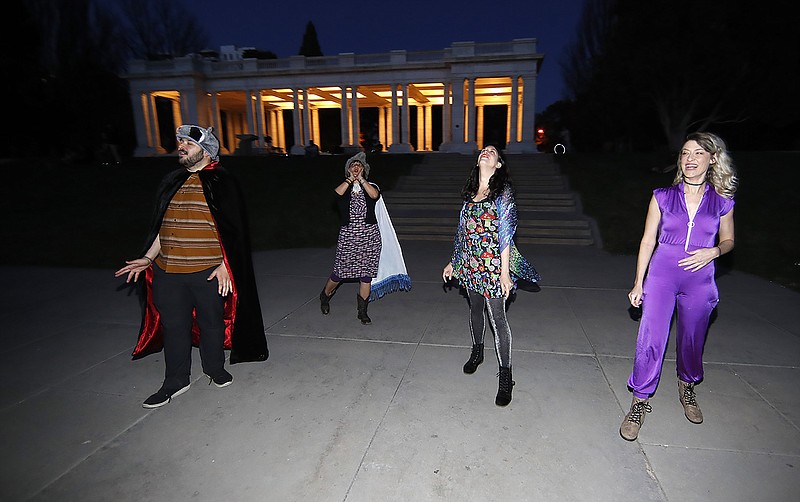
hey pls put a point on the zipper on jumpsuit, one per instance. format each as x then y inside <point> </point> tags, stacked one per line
<point>690,224</point>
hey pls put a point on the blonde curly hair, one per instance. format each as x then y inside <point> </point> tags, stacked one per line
<point>721,173</point>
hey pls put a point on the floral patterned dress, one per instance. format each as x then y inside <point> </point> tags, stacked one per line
<point>485,229</point>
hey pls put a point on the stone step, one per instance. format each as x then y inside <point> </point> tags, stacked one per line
<point>521,198</point>
<point>451,222</point>
<point>425,204</point>
<point>566,207</point>
<point>560,241</point>
<point>449,186</point>
<point>522,231</point>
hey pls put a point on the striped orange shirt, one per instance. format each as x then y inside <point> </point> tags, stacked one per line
<point>188,235</point>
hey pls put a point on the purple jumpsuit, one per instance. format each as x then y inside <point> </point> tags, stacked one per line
<point>666,282</point>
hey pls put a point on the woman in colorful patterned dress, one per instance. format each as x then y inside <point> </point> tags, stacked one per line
<point>688,226</point>
<point>359,247</point>
<point>486,262</point>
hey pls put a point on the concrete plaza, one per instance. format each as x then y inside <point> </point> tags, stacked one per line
<point>345,412</point>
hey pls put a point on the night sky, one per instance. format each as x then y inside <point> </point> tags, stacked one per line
<point>383,26</point>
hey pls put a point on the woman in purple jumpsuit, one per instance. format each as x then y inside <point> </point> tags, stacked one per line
<point>688,226</point>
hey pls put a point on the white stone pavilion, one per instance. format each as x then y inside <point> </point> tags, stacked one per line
<point>452,100</point>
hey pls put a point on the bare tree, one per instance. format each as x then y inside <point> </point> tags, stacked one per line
<point>159,29</point>
<point>674,67</point>
<point>589,47</point>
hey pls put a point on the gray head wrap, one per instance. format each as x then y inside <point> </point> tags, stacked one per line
<point>204,138</point>
<point>361,158</point>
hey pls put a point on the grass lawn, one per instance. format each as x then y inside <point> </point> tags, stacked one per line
<point>94,216</point>
<point>616,188</point>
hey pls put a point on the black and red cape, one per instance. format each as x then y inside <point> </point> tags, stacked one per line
<point>244,326</point>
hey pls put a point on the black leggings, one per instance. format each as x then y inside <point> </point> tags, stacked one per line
<point>496,310</point>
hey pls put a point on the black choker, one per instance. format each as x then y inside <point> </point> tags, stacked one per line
<point>692,184</point>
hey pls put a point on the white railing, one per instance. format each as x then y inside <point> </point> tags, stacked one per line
<point>458,51</point>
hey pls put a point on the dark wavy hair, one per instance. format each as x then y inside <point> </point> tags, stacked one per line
<point>497,183</point>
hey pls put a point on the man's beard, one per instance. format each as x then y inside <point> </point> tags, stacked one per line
<point>190,161</point>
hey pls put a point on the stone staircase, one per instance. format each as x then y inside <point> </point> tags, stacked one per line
<point>425,204</point>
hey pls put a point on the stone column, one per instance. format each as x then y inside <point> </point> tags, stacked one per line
<point>395,117</point>
<point>273,127</point>
<point>297,148</point>
<point>250,114</point>
<point>306,119</point>
<point>281,130</point>
<point>188,107</point>
<point>382,126</point>
<point>457,110</point>
<point>389,129</point>
<point>406,131</point>
<point>527,120</point>
<point>446,111</point>
<point>420,128</point>
<point>459,142</point>
<point>513,110</point>
<point>471,119</point>
<point>315,127</point>
<point>217,122</point>
<point>479,139</point>
<point>143,120</point>
<point>345,119</point>
<point>528,107</point>
<point>403,145</point>
<point>261,125</point>
<point>176,115</point>
<point>356,125</point>
<point>428,127</point>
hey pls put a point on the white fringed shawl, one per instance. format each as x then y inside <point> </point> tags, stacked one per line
<point>392,275</point>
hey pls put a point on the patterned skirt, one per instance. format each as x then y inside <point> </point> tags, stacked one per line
<point>358,250</point>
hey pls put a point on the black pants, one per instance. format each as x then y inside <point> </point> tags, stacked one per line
<point>176,296</point>
<point>495,308</point>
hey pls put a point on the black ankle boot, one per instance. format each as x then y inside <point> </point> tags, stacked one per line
<point>504,387</point>
<point>362,310</point>
<point>325,302</point>
<point>475,359</point>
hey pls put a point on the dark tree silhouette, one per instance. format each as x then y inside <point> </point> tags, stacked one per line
<point>162,30</point>
<point>66,64</point>
<point>672,67</point>
<point>310,46</point>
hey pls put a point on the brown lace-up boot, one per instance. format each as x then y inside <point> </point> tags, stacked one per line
<point>629,430</point>
<point>689,401</point>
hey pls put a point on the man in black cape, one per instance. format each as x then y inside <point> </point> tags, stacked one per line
<point>199,286</point>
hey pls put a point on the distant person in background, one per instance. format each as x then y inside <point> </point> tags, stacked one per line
<point>486,262</point>
<point>199,283</point>
<point>367,249</point>
<point>109,149</point>
<point>688,226</point>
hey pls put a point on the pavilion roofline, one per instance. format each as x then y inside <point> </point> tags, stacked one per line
<point>457,53</point>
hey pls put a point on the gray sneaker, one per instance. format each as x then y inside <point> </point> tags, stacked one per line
<point>689,401</point>
<point>629,430</point>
